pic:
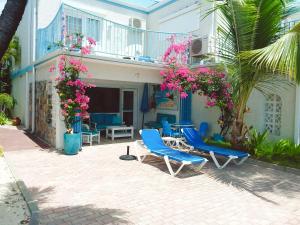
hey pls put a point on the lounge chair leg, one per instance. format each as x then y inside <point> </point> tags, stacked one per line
<point>139,157</point>
<point>203,163</point>
<point>166,158</point>
<point>217,163</point>
<point>241,161</point>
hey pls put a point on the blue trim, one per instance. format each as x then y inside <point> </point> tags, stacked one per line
<point>186,108</point>
<point>20,72</point>
<point>110,2</point>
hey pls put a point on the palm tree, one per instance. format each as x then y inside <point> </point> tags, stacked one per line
<point>247,25</point>
<point>9,59</point>
<point>9,22</point>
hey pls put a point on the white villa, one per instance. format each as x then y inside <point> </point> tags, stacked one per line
<point>131,38</point>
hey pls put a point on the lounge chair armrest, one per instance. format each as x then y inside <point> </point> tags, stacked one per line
<point>178,142</point>
<point>181,142</point>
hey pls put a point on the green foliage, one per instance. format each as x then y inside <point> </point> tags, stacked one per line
<point>3,119</point>
<point>6,102</point>
<point>11,57</point>
<point>256,140</point>
<point>283,152</point>
<point>286,148</point>
<point>1,151</point>
<point>246,26</point>
<point>222,144</point>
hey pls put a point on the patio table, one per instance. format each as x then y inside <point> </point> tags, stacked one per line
<point>119,131</point>
<point>178,126</point>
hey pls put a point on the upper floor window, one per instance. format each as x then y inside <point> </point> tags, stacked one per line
<point>273,107</point>
<point>93,29</point>
<point>74,25</point>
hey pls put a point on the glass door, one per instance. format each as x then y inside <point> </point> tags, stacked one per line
<point>128,107</point>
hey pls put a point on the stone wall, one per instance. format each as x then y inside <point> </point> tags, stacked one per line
<point>43,111</point>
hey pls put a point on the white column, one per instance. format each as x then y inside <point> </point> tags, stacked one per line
<point>26,101</point>
<point>297,116</point>
<point>59,123</point>
<point>33,102</point>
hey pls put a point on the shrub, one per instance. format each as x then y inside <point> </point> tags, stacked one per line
<point>286,149</point>
<point>6,102</point>
<point>3,118</point>
<point>257,141</point>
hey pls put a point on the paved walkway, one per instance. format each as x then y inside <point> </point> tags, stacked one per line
<point>13,208</point>
<point>95,187</point>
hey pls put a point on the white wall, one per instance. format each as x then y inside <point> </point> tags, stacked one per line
<point>48,9</point>
<point>19,94</point>
<point>255,117</point>
<point>183,16</point>
<point>25,32</point>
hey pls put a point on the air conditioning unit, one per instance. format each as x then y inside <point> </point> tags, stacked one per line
<point>199,46</point>
<point>134,22</point>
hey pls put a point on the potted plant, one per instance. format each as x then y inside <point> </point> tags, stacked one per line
<point>72,93</point>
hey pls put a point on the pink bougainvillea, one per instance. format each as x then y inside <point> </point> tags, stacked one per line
<point>179,77</point>
<point>70,88</point>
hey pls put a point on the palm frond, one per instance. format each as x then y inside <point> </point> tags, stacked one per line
<point>282,57</point>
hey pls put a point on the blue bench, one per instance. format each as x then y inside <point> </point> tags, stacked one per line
<point>159,118</point>
<point>103,120</point>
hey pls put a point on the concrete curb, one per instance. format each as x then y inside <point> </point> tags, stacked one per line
<point>274,166</point>
<point>31,203</point>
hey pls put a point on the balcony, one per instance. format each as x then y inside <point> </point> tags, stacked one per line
<point>113,39</point>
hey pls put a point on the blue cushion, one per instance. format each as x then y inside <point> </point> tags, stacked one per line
<point>116,120</point>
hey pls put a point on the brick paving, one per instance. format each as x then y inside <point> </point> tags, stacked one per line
<point>95,187</point>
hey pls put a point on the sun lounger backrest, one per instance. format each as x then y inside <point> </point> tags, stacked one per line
<point>192,136</point>
<point>152,139</point>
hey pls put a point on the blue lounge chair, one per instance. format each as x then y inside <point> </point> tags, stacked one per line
<point>154,145</point>
<point>193,138</point>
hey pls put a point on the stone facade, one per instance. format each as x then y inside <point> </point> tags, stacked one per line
<point>43,111</point>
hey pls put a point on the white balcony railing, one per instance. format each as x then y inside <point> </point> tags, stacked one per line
<point>113,39</point>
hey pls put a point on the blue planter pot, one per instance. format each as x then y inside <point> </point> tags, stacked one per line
<point>72,143</point>
<point>218,137</point>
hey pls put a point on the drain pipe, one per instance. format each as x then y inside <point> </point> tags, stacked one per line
<point>33,101</point>
<point>297,116</point>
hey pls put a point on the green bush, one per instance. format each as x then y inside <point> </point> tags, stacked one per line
<point>6,102</point>
<point>256,141</point>
<point>222,144</point>
<point>3,119</point>
<point>286,149</point>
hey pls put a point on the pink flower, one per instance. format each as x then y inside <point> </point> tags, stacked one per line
<point>221,75</point>
<point>183,95</point>
<point>210,103</point>
<point>91,41</point>
<point>163,87</point>
<point>52,68</point>
<point>85,50</point>
<point>203,70</point>
<point>168,94</point>
<point>89,75</point>
<point>190,79</point>
<point>209,81</point>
